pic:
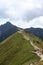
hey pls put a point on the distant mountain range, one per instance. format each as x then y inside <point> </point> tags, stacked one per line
<point>6,30</point>
<point>35,31</point>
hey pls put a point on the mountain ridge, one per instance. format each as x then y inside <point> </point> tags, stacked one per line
<point>6,30</point>
<point>35,31</point>
<point>17,50</point>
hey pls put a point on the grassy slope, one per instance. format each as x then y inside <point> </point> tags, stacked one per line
<point>40,63</point>
<point>36,40</point>
<point>16,51</point>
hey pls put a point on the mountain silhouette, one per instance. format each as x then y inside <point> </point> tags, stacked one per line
<point>6,30</point>
<point>36,31</point>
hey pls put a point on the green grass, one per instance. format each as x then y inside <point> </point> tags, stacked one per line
<point>36,40</point>
<point>40,63</point>
<point>15,50</point>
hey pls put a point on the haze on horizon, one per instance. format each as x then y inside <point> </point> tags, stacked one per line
<point>22,13</point>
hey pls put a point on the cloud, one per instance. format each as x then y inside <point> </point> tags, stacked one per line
<point>20,12</point>
<point>31,14</point>
<point>36,22</point>
<point>18,8</point>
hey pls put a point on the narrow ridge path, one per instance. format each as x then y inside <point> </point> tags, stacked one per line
<point>38,50</point>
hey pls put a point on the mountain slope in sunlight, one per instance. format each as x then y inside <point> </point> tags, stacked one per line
<point>16,50</point>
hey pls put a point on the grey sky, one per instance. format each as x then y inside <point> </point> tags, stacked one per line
<point>22,13</point>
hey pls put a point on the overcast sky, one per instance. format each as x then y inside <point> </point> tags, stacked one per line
<point>22,13</point>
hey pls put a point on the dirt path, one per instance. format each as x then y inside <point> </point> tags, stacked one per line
<point>38,50</point>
